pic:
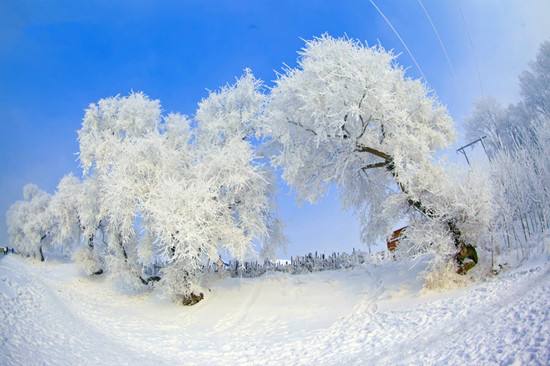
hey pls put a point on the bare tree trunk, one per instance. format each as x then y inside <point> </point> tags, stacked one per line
<point>40,248</point>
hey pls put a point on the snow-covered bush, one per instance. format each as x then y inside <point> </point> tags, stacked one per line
<point>87,260</point>
<point>442,275</point>
<point>126,278</point>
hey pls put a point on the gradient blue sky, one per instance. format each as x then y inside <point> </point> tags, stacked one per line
<point>58,56</point>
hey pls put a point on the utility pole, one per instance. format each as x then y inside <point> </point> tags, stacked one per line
<point>462,149</point>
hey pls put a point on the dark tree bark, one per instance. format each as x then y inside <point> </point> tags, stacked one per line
<point>40,248</point>
<point>122,248</point>
<point>389,165</point>
<point>91,241</point>
<point>41,254</point>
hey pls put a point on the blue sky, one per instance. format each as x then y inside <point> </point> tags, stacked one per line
<point>56,57</point>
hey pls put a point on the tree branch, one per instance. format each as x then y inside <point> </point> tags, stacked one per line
<point>374,152</point>
<point>365,125</point>
<point>376,165</point>
<point>301,125</point>
<point>362,98</point>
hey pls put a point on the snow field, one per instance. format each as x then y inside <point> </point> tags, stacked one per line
<point>377,314</point>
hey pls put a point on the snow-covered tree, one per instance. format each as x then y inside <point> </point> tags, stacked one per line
<point>184,192</point>
<point>348,115</point>
<point>506,128</point>
<point>520,177</point>
<point>110,122</point>
<point>513,127</point>
<point>220,200</point>
<point>75,209</point>
<point>534,83</point>
<point>117,150</point>
<point>30,222</point>
<point>518,140</point>
<point>232,111</point>
<point>65,210</point>
<point>228,120</point>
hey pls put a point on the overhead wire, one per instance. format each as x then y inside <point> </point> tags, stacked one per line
<point>409,52</point>
<point>471,43</point>
<point>438,36</point>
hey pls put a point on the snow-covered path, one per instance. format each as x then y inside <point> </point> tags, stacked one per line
<point>375,315</point>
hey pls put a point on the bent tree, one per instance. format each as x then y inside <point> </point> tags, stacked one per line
<point>348,115</point>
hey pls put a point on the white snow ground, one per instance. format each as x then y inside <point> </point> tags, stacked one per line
<point>379,314</point>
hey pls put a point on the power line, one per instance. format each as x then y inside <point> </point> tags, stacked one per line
<point>388,22</point>
<point>472,48</point>
<point>441,44</point>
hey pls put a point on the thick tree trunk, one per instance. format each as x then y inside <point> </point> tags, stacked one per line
<point>389,165</point>
<point>417,205</point>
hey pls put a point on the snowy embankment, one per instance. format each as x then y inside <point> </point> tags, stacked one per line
<point>51,314</point>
